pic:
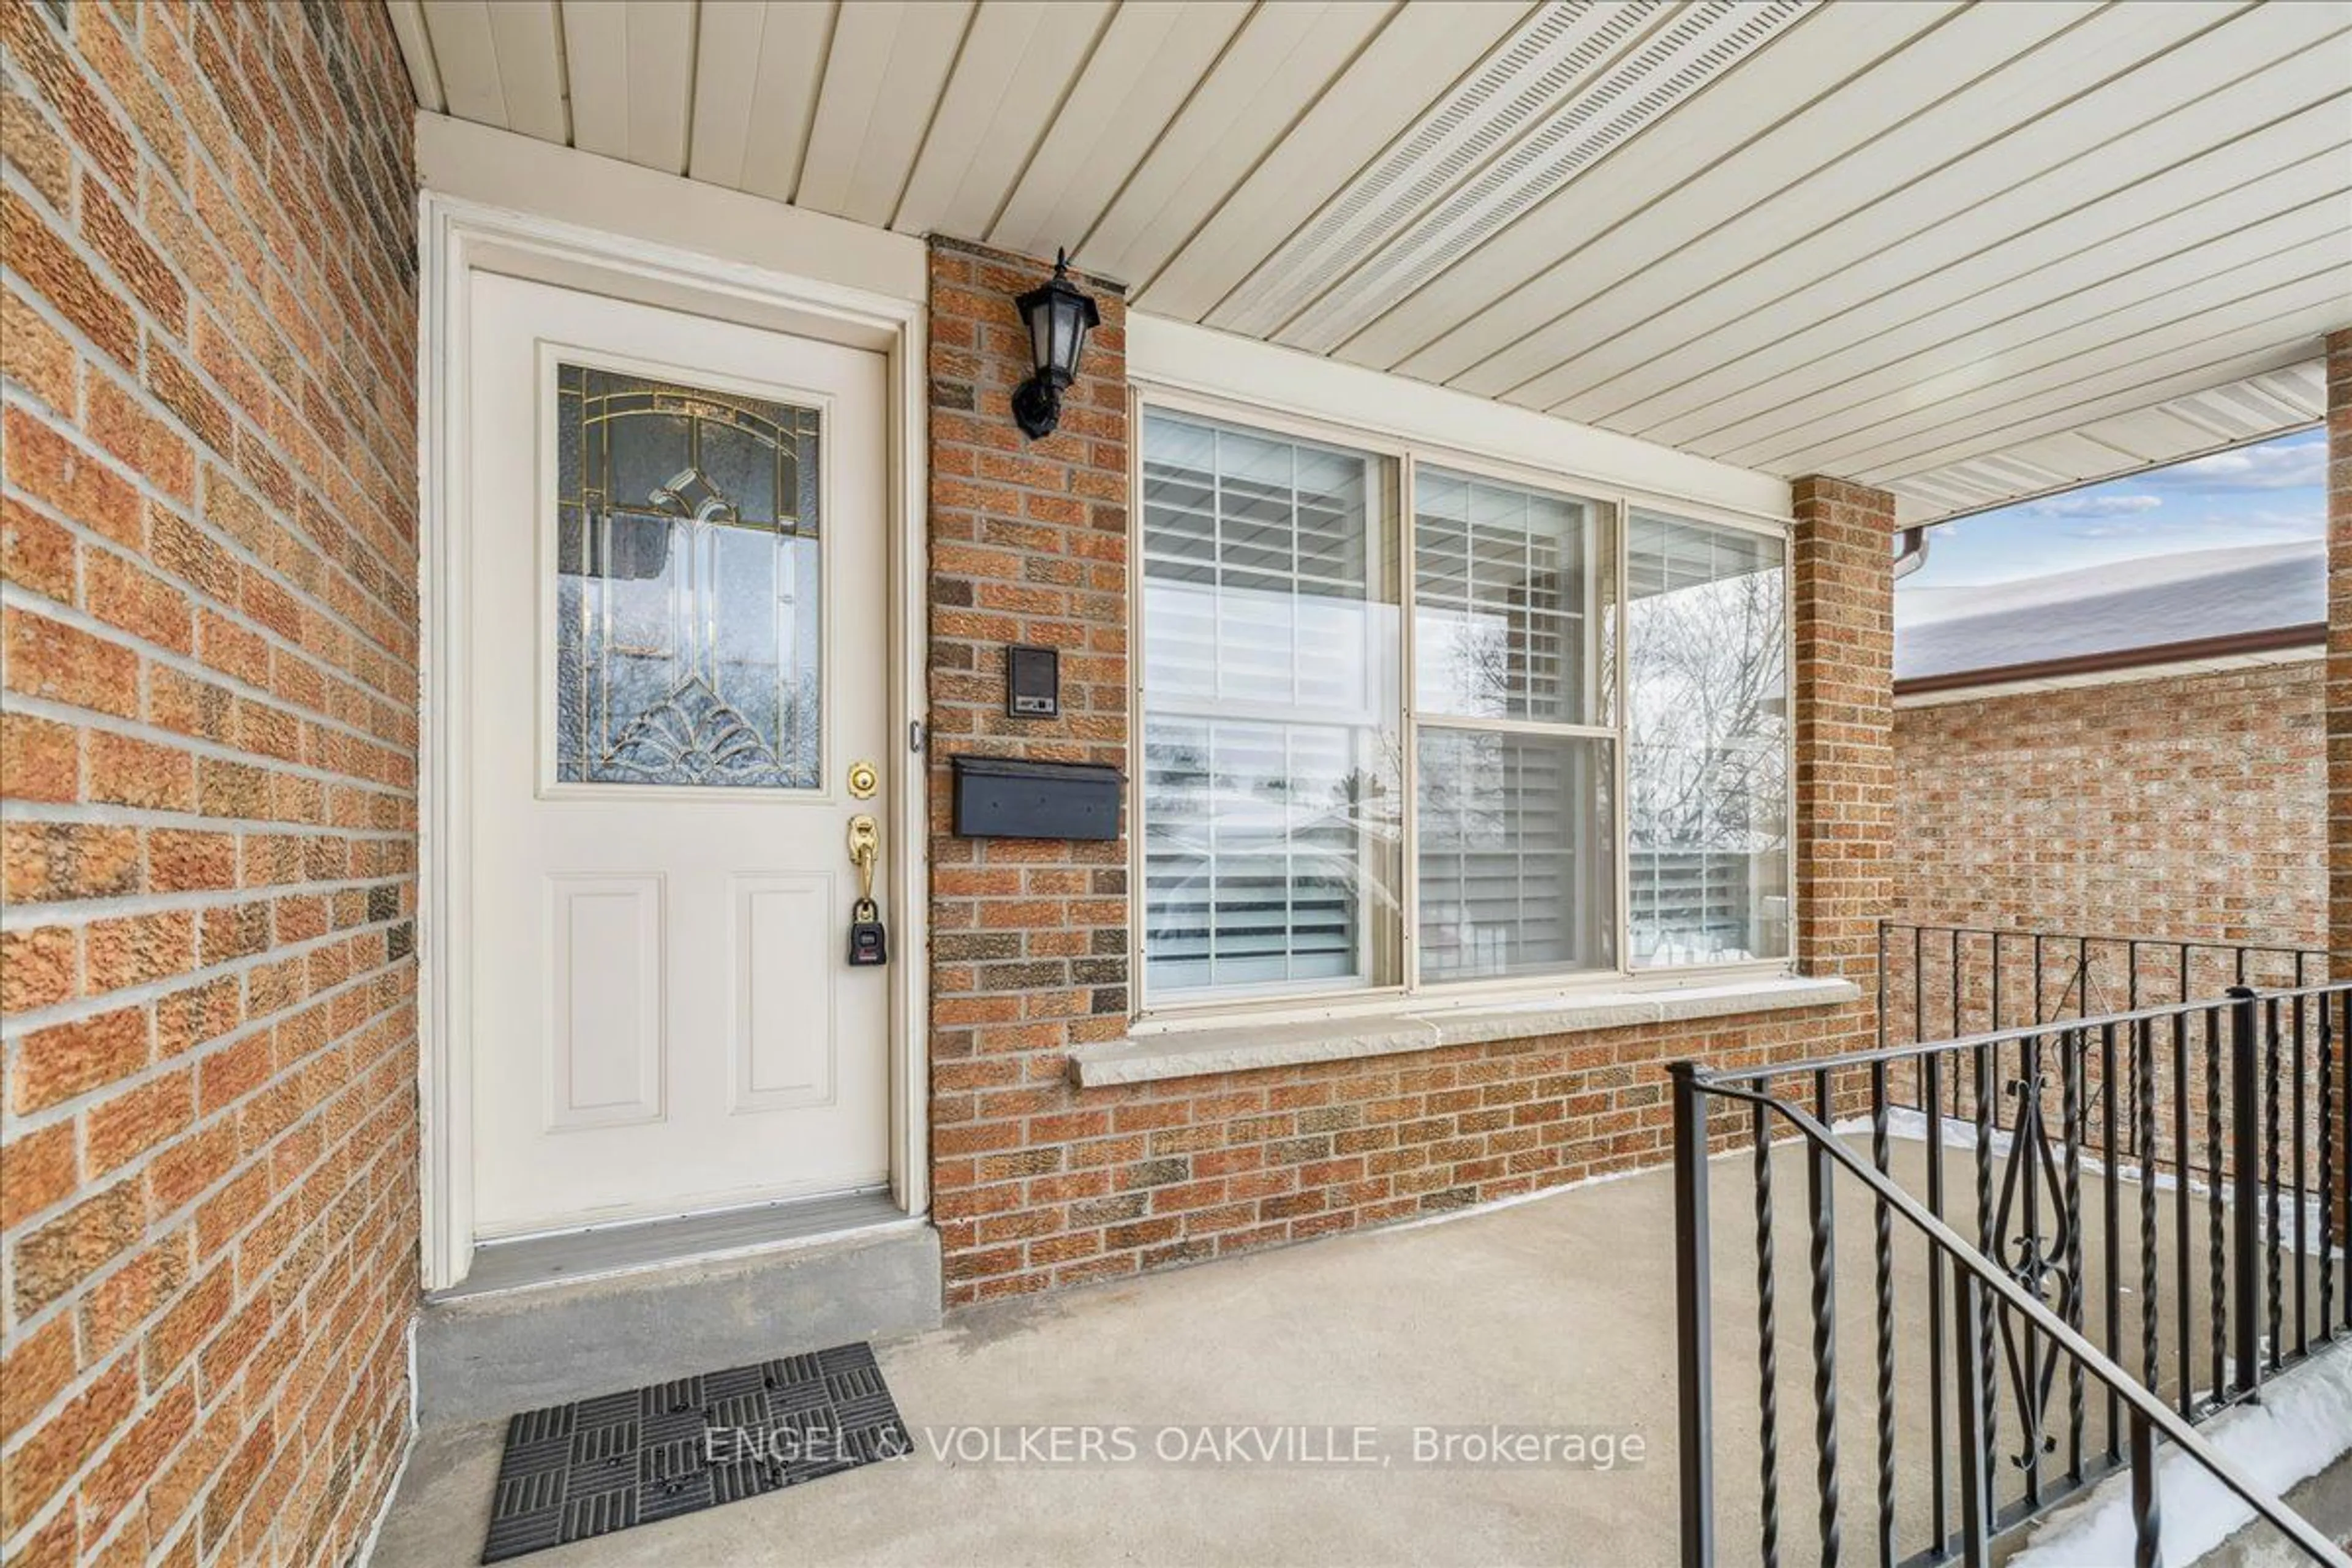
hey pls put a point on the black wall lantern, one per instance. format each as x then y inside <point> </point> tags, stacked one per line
<point>1058,318</point>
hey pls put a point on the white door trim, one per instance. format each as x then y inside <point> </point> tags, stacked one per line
<point>457,237</point>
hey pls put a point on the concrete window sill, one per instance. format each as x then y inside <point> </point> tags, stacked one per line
<point>1198,1052</point>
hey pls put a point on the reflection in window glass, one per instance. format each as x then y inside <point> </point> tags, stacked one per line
<point>1514,854</point>
<point>1706,691</point>
<point>688,585</point>
<point>1508,592</point>
<point>1270,766</point>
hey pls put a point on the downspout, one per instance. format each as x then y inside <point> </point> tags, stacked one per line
<point>1914,553</point>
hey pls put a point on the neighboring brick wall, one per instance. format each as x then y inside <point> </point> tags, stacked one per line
<point>1038,1185</point>
<point>2188,807</point>
<point>208,541</point>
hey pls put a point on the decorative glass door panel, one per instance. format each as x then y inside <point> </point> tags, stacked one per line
<point>689,586</point>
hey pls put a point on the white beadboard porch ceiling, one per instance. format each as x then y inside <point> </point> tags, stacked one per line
<point>1967,251</point>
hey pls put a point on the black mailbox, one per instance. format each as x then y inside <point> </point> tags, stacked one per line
<point>1000,797</point>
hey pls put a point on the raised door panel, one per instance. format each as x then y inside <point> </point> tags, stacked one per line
<point>782,1032</point>
<point>603,1031</point>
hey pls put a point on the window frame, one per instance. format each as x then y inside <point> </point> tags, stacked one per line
<point>1609,533</point>
<point>1387,491</point>
<point>1614,503</point>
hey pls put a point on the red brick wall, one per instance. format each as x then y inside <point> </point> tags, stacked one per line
<point>1037,1183</point>
<point>2185,807</point>
<point>2188,807</point>
<point>207,536</point>
<point>1843,689</point>
<point>1842,695</point>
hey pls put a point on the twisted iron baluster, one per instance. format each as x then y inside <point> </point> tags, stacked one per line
<point>1985,1068</point>
<point>2216,1243</point>
<point>2271,1182</point>
<point>2071,1112</point>
<point>2299,1120</point>
<point>2147,1511</point>
<point>1824,1247</point>
<point>1767,1360</point>
<point>2327,1176</point>
<point>2140,1150</point>
<point>2144,1133</point>
<point>1883,1247</point>
<point>1937,1347</point>
<point>2112,1134</point>
<point>2181,1211</point>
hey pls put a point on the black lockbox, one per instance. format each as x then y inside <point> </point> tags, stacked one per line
<point>1001,797</point>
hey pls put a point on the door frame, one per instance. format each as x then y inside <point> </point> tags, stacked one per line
<point>458,237</point>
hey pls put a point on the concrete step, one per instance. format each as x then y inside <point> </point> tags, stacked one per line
<point>485,1353</point>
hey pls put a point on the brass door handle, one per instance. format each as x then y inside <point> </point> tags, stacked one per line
<point>865,849</point>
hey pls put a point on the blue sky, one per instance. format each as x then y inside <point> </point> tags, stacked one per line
<point>2270,493</point>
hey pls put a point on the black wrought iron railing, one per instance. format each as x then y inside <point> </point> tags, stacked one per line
<point>2081,1276</point>
<point>1941,982</point>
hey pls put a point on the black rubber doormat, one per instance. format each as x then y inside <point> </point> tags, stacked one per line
<point>596,1465</point>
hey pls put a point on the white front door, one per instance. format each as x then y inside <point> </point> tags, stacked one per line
<point>676,658</point>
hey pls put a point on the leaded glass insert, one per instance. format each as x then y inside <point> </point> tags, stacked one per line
<point>689,611</point>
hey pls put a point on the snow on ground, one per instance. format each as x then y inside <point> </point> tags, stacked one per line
<point>2301,1426</point>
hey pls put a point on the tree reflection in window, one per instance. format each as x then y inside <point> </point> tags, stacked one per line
<point>1707,687</point>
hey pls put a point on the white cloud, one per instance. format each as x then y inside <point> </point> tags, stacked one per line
<point>2272,466</point>
<point>2295,523</point>
<point>2266,494</point>
<point>2088,504</point>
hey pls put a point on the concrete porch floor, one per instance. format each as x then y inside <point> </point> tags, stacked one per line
<point>1556,1314</point>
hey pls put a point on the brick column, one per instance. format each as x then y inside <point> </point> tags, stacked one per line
<point>1844,689</point>
<point>1028,544</point>
<point>2339,652</point>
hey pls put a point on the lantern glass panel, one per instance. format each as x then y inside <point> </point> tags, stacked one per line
<point>1041,335</point>
<point>1070,335</point>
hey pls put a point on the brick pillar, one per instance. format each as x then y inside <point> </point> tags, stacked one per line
<point>1843,688</point>
<point>2339,652</point>
<point>1028,544</point>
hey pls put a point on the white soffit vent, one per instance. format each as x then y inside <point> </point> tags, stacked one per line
<point>2215,419</point>
<point>1576,82</point>
<point>1520,82</point>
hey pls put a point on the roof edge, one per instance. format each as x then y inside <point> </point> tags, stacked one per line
<point>2267,640</point>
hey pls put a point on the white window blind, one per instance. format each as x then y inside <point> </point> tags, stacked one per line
<point>1594,756</point>
<point>1269,779</point>
<point>1502,596</point>
<point>1513,823</point>
<point>1514,854</point>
